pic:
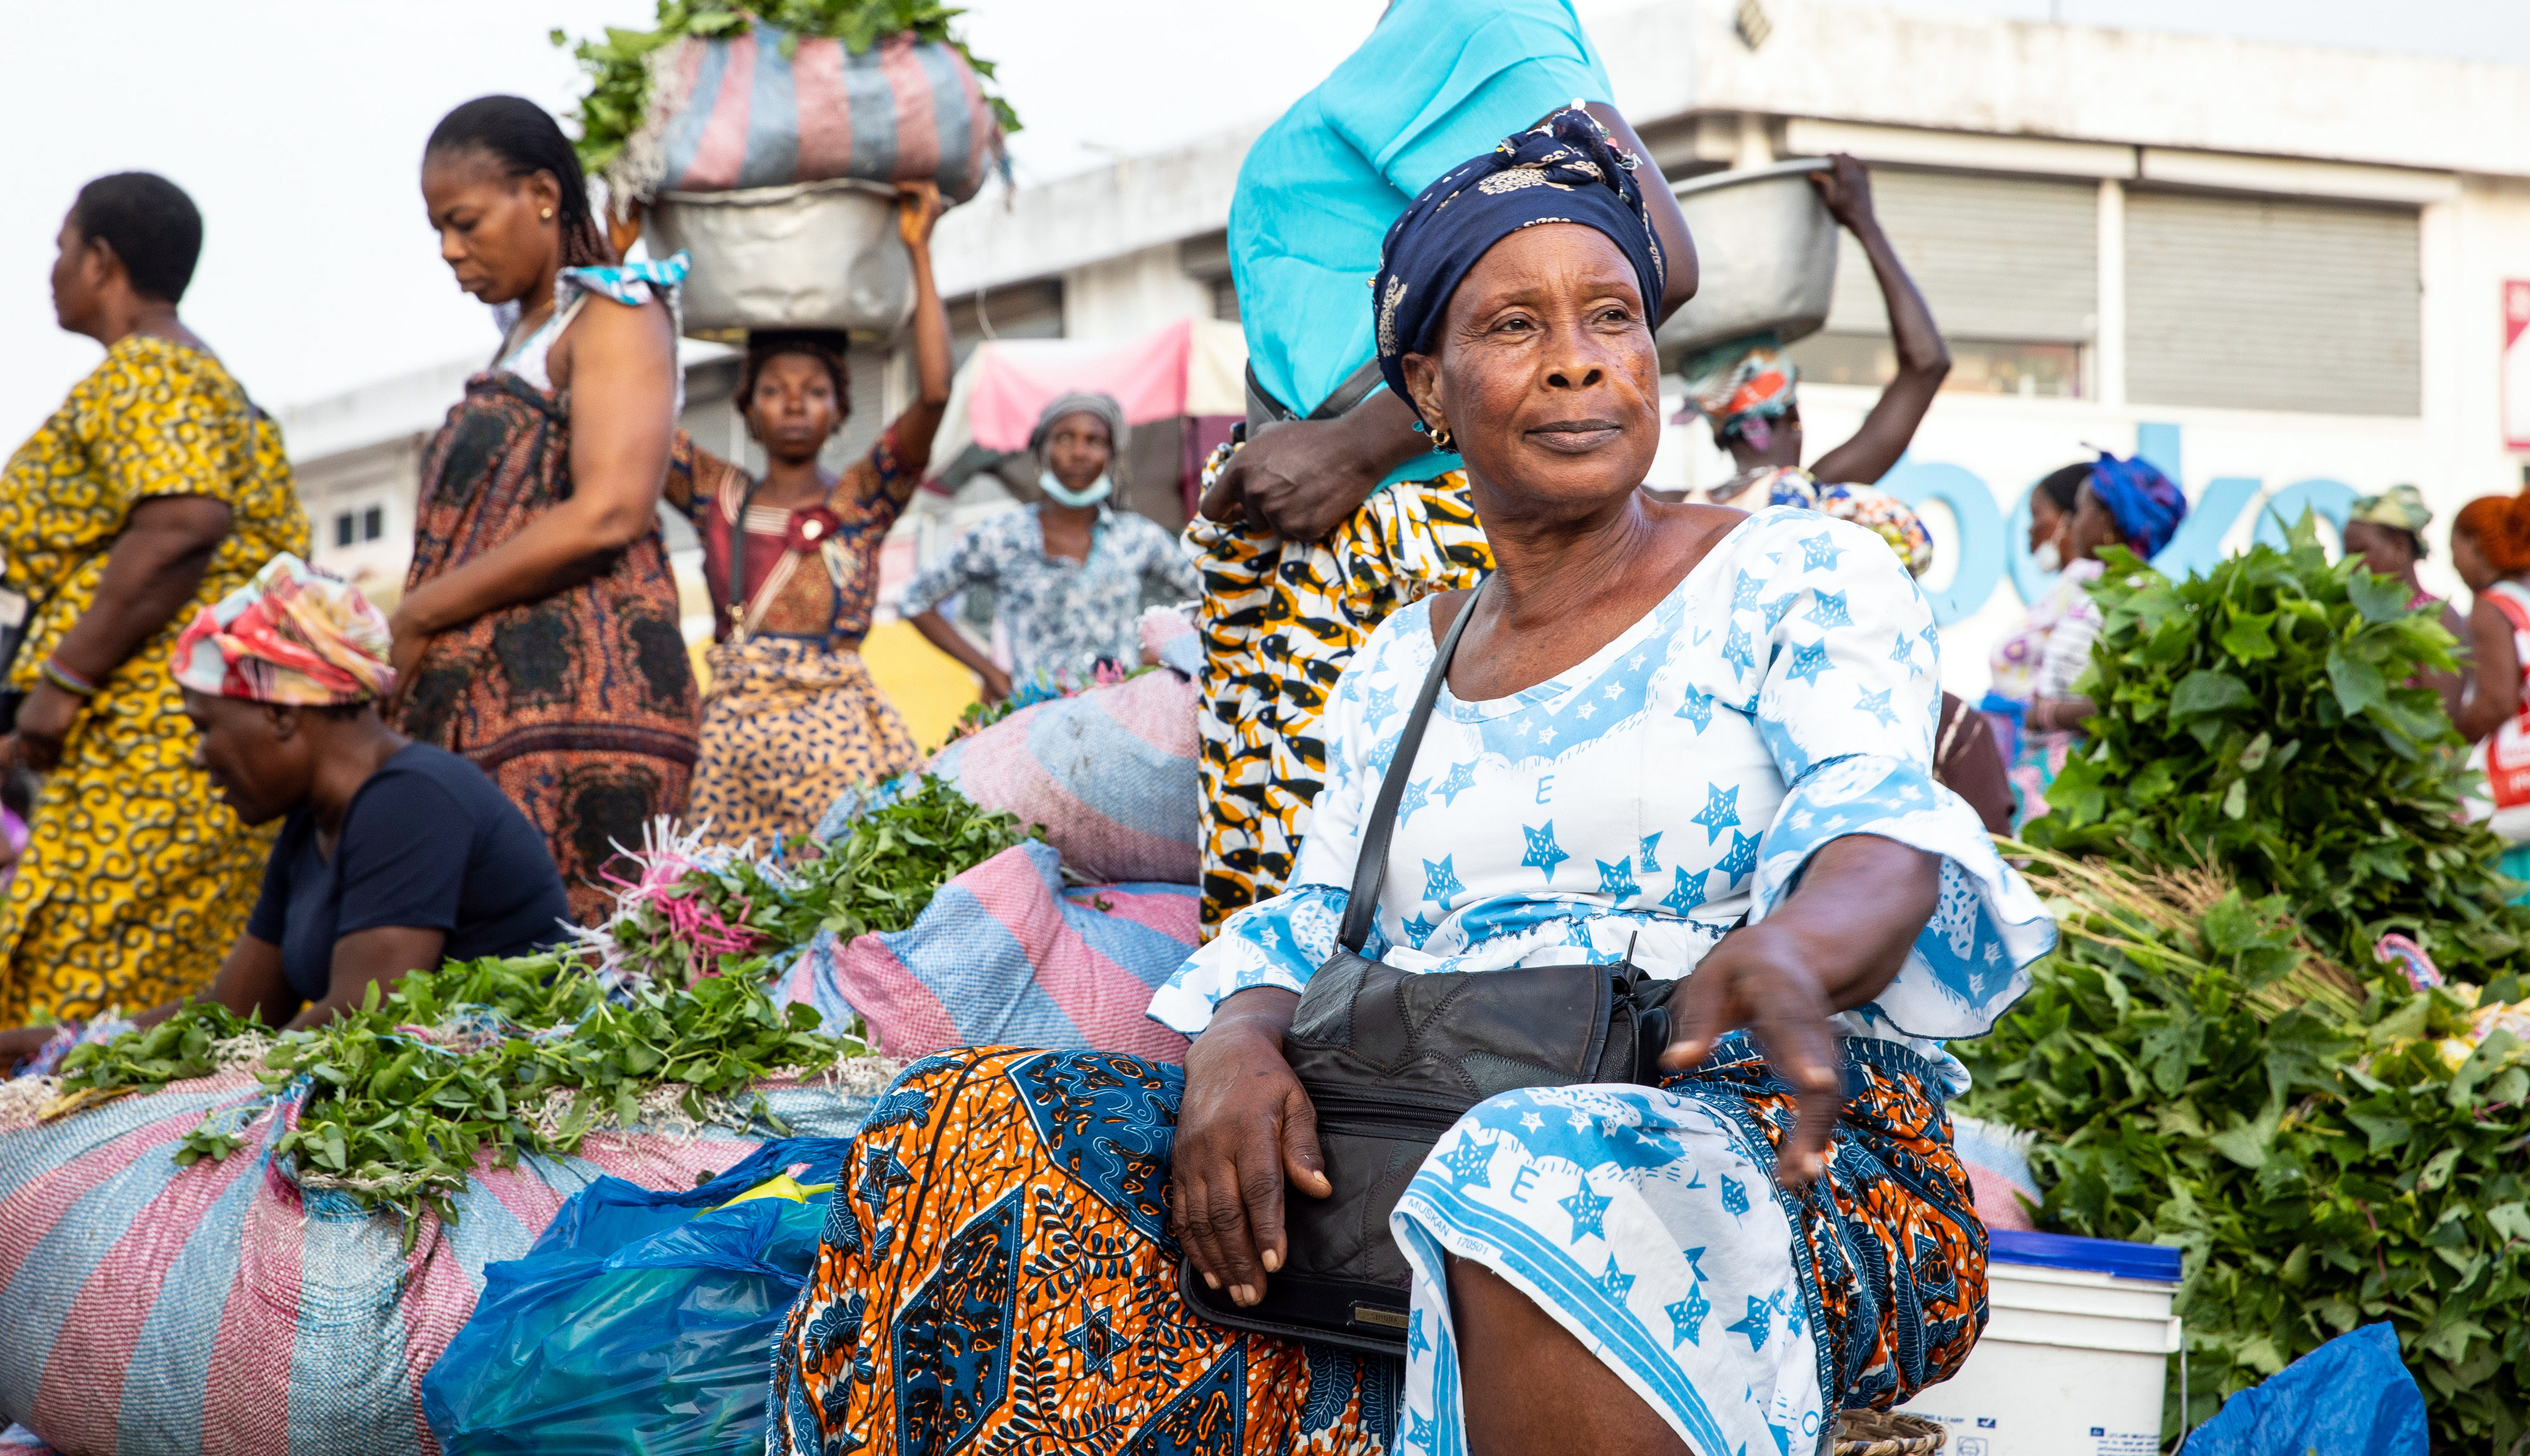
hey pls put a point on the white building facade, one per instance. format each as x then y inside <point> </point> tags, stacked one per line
<point>2286,274</point>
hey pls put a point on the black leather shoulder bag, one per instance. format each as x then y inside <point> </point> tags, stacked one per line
<point>1391,1058</point>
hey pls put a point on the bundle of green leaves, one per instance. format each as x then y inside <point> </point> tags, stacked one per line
<point>2326,1154</point>
<point>618,65</point>
<point>882,872</point>
<point>404,1093</point>
<point>2257,717</point>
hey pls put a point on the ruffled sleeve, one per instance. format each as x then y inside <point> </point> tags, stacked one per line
<point>1847,683</point>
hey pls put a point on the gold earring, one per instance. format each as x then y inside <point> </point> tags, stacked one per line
<point>1442,442</point>
<point>546,214</point>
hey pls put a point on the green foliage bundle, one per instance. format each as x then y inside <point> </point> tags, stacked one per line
<point>2325,1156</point>
<point>618,65</point>
<point>2255,717</point>
<point>499,1056</point>
<point>882,872</point>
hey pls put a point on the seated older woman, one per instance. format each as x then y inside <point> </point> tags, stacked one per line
<point>393,855</point>
<point>1661,718</point>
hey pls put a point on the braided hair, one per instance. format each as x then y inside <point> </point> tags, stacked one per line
<point>825,345</point>
<point>524,139</point>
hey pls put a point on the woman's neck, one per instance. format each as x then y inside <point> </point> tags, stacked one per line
<point>148,317</point>
<point>1056,514</point>
<point>792,483</point>
<point>348,755</point>
<point>1551,570</point>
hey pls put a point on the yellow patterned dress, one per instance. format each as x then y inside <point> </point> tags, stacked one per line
<point>1280,621</point>
<point>138,878</point>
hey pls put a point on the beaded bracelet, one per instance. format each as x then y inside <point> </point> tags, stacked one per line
<point>68,680</point>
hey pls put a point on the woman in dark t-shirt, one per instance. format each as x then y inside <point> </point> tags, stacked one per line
<point>393,855</point>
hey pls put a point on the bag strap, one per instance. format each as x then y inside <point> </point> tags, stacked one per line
<point>1371,868</point>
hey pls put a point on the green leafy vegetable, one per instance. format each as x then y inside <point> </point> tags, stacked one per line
<point>618,66</point>
<point>2257,717</point>
<point>2325,1154</point>
<point>882,873</point>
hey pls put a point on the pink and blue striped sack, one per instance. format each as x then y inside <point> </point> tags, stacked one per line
<point>1110,772</point>
<point>1005,956</point>
<point>738,113</point>
<point>220,1308</point>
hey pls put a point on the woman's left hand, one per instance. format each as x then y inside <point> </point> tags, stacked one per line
<point>1845,188</point>
<point>1759,978</point>
<point>44,722</point>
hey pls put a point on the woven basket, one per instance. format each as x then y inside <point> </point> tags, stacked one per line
<point>1886,1434</point>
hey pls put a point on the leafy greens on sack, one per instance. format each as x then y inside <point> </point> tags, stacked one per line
<point>881,873</point>
<point>618,65</point>
<point>2256,716</point>
<point>2325,1155</point>
<point>504,1057</point>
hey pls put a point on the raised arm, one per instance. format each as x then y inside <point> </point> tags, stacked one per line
<point>2495,673</point>
<point>1923,360</point>
<point>623,380</point>
<point>918,209</point>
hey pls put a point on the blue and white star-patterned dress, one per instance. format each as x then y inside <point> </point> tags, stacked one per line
<point>1782,694</point>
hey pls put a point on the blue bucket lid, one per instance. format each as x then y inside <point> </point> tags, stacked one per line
<point>2097,1256</point>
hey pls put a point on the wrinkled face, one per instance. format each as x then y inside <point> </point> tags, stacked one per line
<point>79,277</point>
<point>2092,529</point>
<point>2046,520</point>
<point>1078,450</point>
<point>2384,549</point>
<point>2471,563</point>
<point>255,754</point>
<point>500,235</point>
<point>1545,371</point>
<point>793,409</point>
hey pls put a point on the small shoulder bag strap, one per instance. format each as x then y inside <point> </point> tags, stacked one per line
<point>1372,867</point>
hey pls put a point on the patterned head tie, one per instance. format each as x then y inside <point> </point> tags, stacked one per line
<point>1564,171</point>
<point>294,635</point>
<point>1743,387</point>
<point>2147,506</point>
<point>2400,507</point>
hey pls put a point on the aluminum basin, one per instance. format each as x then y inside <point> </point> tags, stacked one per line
<point>812,255</point>
<point>1766,249</point>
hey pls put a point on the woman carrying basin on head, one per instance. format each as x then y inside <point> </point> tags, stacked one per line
<point>1661,717</point>
<point>538,633</point>
<point>792,718</point>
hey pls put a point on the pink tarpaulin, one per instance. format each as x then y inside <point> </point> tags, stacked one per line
<point>1147,377</point>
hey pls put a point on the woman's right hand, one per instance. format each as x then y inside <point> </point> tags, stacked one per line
<point>995,685</point>
<point>1244,1128</point>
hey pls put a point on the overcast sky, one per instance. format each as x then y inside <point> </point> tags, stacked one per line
<point>297,126</point>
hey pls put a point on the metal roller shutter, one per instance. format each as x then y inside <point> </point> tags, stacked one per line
<point>2261,303</point>
<point>1998,257</point>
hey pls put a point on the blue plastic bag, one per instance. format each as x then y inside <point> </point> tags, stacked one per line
<point>2349,1397</point>
<point>640,1321</point>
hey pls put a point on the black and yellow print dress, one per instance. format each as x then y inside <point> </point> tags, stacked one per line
<point>137,879</point>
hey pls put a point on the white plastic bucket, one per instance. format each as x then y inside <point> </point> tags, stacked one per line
<point>1765,250</point>
<point>2075,1352</point>
<point>813,255</point>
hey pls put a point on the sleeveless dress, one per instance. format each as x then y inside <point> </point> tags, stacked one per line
<point>580,705</point>
<point>792,717</point>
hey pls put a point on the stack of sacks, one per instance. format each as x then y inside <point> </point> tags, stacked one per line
<point>1005,956</point>
<point>1110,772</point>
<point>220,1307</point>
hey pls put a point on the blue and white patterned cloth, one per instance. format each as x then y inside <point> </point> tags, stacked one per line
<point>1784,695</point>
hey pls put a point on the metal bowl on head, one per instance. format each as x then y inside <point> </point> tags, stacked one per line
<point>812,255</point>
<point>1765,248</point>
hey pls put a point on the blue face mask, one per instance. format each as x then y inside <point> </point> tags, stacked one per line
<point>1090,495</point>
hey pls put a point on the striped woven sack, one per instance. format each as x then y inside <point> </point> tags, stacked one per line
<point>1110,772</point>
<point>1005,956</point>
<point>221,1308</point>
<point>738,113</point>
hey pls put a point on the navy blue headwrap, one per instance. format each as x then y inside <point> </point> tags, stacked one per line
<point>1564,171</point>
